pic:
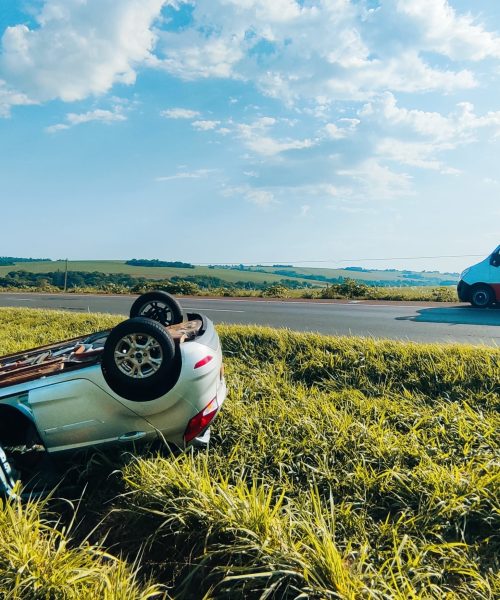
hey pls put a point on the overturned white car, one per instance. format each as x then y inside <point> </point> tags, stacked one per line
<point>153,376</point>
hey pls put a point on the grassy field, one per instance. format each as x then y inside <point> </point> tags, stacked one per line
<point>230,275</point>
<point>368,275</point>
<point>117,266</point>
<point>340,468</point>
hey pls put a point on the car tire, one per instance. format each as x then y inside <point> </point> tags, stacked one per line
<point>481,296</point>
<point>138,359</point>
<point>7,477</point>
<point>157,306</point>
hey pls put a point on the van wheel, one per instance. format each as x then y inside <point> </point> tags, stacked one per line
<point>158,306</point>
<point>7,477</point>
<point>481,296</point>
<point>138,359</point>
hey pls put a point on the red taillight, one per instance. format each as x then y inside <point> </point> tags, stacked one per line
<point>201,421</point>
<point>203,362</point>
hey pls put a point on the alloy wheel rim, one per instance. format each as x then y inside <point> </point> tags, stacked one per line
<point>158,311</point>
<point>138,355</point>
<point>481,298</point>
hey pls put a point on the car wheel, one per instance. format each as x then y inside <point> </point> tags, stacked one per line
<point>7,477</point>
<point>158,306</point>
<point>138,359</point>
<point>481,296</point>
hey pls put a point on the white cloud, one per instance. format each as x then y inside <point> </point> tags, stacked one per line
<point>79,48</point>
<point>9,98</point>
<point>417,138</point>
<point>336,49</point>
<point>304,210</point>
<point>179,113</point>
<point>278,11</point>
<point>57,127</point>
<point>443,30</point>
<point>377,181</point>
<point>345,127</point>
<point>105,116</point>
<point>194,56</point>
<point>414,154</point>
<point>425,123</point>
<point>258,196</point>
<point>323,58</point>
<point>334,132</point>
<point>268,146</point>
<point>256,138</point>
<point>198,174</point>
<point>414,138</point>
<point>205,125</point>
<point>72,119</point>
<point>329,49</point>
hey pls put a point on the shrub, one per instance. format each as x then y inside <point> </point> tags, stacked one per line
<point>330,292</point>
<point>275,291</point>
<point>180,286</point>
<point>444,294</point>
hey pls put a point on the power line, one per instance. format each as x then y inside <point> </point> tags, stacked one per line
<point>343,260</point>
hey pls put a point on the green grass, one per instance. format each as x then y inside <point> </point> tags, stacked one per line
<point>367,275</point>
<point>417,293</point>
<point>230,275</point>
<point>38,561</point>
<point>117,266</point>
<point>27,328</point>
<point>339,468</point>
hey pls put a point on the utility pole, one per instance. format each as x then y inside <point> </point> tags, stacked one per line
<point>66,276</point>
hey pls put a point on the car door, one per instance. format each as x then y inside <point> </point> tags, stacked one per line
<point>77,413</point>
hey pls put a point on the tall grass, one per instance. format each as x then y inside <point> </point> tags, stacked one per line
<point>338,468</point>
<point>38,561</point>
<point>23,328</point>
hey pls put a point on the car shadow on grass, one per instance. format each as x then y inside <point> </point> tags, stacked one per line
<point>456,315</point>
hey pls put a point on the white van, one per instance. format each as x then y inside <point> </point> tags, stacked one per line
<point>480,284</point>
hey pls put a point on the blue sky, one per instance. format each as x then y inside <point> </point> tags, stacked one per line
<point>251,131</point>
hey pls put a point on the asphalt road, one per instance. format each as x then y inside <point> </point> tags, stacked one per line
<point>418,322</point>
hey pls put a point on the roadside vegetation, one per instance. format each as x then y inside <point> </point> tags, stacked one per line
<point>179,278</point>
<point>201,285</point>
<point>339,468</point>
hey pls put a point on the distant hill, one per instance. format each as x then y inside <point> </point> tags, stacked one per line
<point>237,275</point>
<point>12,260</point>
<point>378,277</point>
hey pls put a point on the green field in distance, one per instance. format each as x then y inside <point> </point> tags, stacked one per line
<point>257,274</point>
